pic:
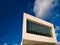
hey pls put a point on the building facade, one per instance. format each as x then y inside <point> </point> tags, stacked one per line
<point>37,31</point>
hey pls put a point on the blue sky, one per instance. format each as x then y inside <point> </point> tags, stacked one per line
<point>11,17</point>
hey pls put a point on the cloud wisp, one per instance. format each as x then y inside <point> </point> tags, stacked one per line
<point>15,44</point>
<point>57,34</point>
<point>58,43</point>
<point>57,28</point>
<point>42,7</point>
<point>5,44</point>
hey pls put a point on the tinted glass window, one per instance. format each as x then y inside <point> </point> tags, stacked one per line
<point>38,29</point>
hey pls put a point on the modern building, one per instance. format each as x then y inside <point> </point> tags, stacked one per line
<point>37,31</point>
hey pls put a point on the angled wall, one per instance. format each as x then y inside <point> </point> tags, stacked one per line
<point>37,36</point>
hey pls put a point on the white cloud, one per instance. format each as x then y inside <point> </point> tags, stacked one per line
<point>5,44</point>
<point>42,7</point>
<point>21,43</point>
<point>58,43</point>
<point>15,44</point>
<point>57,28</point>
<point>57,34</point>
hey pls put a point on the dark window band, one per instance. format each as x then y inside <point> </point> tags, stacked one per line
<point>38,29</point>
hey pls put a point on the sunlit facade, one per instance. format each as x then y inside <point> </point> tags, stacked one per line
<point>37,31</point>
